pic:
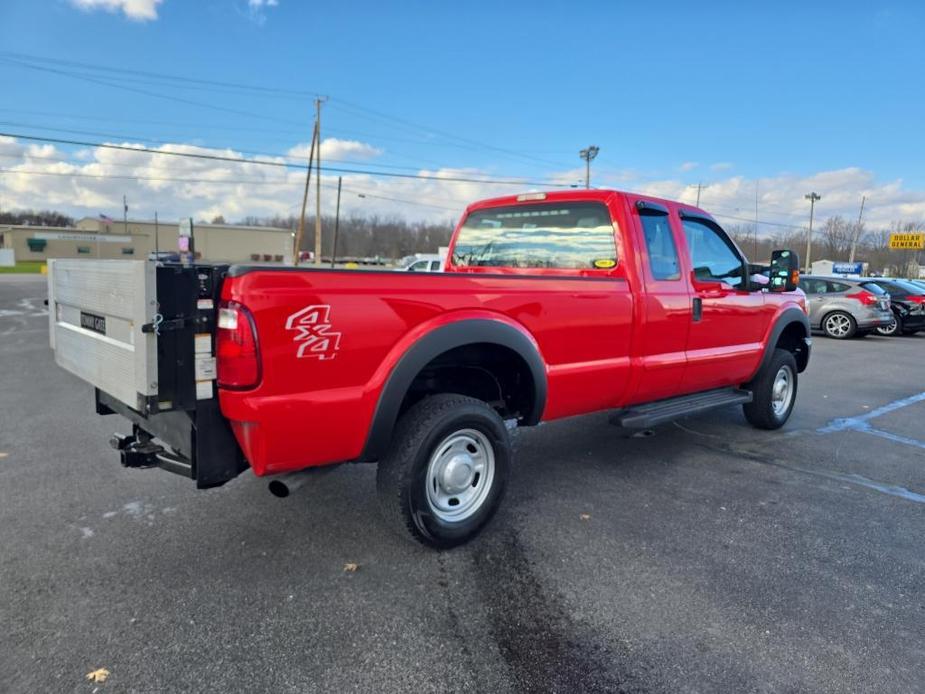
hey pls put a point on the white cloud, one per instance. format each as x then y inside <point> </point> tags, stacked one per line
<point>137,10</point>
<point>781,201</point>
<point>721,166</point>
<point>688,166</point>
<point>256,9</point>
<point>333,148</point>
<point>181,187</point>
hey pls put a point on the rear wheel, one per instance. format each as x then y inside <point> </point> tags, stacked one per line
<point>774,392</point>
<point>839,325</point>
<point>447,469</point>
<point>894,328</point>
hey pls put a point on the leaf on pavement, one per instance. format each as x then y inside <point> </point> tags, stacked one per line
<point>351,567</point>
<point>584,516</point>
<point>98,676</point>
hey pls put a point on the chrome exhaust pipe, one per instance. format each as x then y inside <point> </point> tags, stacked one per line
<point>283,485</point>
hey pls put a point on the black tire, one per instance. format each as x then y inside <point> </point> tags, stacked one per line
<point>762,412</point>
<point>839,325</point>
<point>407,484</point>
<point>893,329</point>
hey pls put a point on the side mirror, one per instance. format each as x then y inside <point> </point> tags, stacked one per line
<point>785,271</point>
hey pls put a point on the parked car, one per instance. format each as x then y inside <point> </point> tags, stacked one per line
<point>423,262</point>
<point>907,299</point>
<point>550,305</point>
<point>842,308</point>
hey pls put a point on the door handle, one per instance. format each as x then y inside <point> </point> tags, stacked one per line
<point>697,309</point>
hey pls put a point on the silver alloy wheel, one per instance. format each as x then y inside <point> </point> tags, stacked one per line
<point>782,390</point>
<point>888,329</point>
<point>460,474</point>
<point>838,325</point>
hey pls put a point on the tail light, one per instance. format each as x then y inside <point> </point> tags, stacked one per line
<point>917,299</point>
<point>236,348</point>
<point>865,297</point>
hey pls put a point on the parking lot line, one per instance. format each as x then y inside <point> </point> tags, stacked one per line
<point>861,423</point>
<point>849,478</point>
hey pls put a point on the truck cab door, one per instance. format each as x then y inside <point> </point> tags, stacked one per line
<point>666,304</point>
<point>728,321</point>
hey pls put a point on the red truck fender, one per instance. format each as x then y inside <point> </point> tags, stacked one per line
<point>790,331</point>
<point>489,331</point>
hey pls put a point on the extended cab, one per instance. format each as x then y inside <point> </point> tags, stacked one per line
<point>551,305</point>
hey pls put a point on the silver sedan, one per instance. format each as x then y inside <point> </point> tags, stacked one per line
<point>842,308</point>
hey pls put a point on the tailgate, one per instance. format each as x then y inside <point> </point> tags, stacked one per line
<point>96,310</point>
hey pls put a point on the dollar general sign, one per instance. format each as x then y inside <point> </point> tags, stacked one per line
<point>913,242</point>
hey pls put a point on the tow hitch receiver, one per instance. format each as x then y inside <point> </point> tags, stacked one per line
<point>136,450</point>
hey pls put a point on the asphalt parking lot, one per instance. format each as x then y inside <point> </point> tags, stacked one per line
<point>706,557</point>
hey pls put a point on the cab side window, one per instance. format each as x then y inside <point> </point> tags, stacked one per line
<point>663,254</point>
<point>712,254</point>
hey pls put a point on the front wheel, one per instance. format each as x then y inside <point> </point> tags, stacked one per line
<point>839,325</point>
<point>774,392</point>
<point>446,471</point>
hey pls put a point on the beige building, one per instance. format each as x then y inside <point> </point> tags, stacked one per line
<point>101,238</point>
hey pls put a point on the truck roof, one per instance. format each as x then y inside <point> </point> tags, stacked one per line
<point>574,194</point>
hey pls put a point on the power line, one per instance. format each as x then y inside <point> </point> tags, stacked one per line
<point>145,92</point>
<point>213,147</point>
<point>260,162</point>
<point>163,76</point>
<point>29,61</point>
<point>361,110</point>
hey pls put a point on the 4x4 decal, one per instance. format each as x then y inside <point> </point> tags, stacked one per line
<point>314,334</point>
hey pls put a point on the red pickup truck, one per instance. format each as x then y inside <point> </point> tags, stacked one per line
<point>551,305</point>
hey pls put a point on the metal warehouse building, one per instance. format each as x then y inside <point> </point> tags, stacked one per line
<point>103,238</point>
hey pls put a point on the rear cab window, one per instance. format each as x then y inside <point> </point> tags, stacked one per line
<point>561,236</point>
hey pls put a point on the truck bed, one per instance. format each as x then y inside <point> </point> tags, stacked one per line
<point>314,405</point>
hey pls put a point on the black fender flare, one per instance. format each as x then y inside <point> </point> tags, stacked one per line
<point>435,343</point>
<point>788,317</point>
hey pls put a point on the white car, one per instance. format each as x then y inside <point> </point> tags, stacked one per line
<point>423,262</point>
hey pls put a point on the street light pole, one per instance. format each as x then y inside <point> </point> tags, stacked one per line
<point>812,197</point>
<point>857,231</point>
<point>588,154</point>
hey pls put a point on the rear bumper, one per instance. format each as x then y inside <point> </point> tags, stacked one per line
<point>198,443</point>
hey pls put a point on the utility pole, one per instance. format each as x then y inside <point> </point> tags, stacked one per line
<point>157,233</point>
<point>755,252</point>
<point>318,102</point>
<point>308,178</point>
<point>340,180</point>
<point>812,197</point>
<point>588,154</point>
<point>857,231</point>
<point>699,188</point>
<point>124,217</point>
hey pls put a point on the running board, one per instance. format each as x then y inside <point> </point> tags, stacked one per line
<point>660,411</point>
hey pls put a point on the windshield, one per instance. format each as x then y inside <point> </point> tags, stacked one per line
<point>576,235</point>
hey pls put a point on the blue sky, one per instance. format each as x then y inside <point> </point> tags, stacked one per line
<point>672,93</point>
